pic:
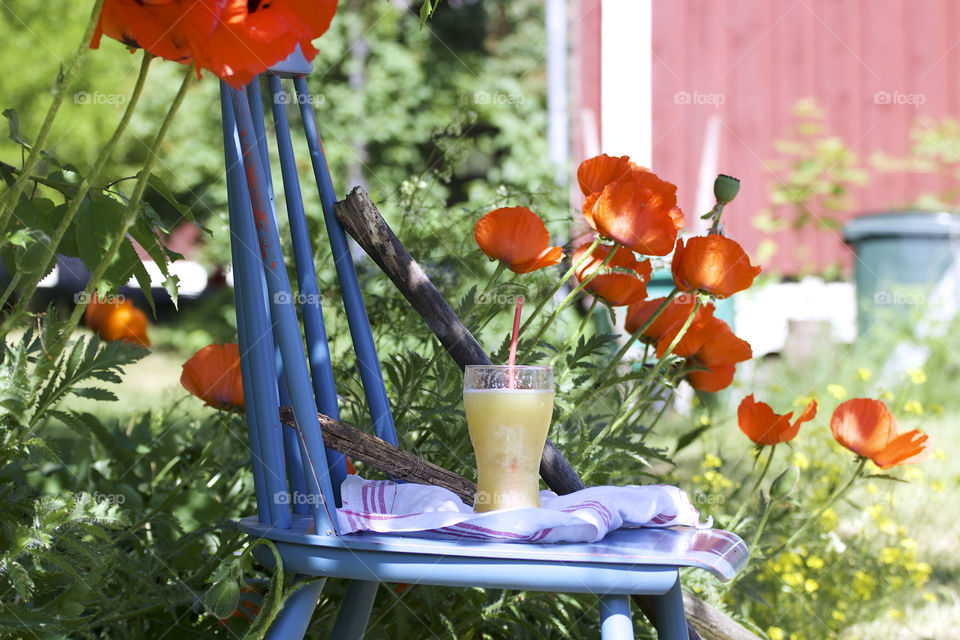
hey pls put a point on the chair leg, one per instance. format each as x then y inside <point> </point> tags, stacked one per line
<point>294,617</point>
<point>354,613</point>
<point>671,620</point>
<point>616,623</point>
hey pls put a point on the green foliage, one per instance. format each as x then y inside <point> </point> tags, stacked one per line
<point>814,176</point>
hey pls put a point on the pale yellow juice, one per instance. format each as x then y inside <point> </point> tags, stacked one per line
<point>508,428</point>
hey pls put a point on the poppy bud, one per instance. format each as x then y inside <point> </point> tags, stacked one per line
<point>222,598</point>
<point>725,189</point>
<point>785,483</point>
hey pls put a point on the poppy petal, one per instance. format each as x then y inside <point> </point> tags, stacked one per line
<point>722,346</point>
<point>863,425</point>
<point>758,422</point>
<point>907,448</point>
<point>595,173</point>
<point>637,214</point>
<point>213,375</point>
<point>547,258</point>
<point>713,264</point>
<point>514,235</point>
<point>626,286</point>
<point>713,379</point>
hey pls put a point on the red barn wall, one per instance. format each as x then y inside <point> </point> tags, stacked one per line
<point>758,58</point>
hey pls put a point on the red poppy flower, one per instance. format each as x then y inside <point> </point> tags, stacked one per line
<point>759,423</point>
<point>517,237</point>
<point>719,353</point>
<point>118,320</point>
<point>867,428</point>
<point>628,282</point>
<point>630,204</point>
<point>665,328</point>
<point>235,39</point>
<point>713,264</point>
<point>213,375</point>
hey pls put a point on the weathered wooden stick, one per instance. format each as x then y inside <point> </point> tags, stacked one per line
<point>712,622</point>
<point>361,219</point>
<point>383,456</point>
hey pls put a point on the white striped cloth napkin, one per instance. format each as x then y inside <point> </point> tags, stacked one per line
<point>383,506</point>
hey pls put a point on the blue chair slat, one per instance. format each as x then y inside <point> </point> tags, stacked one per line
<point>264,248</point>
<point>256,346</point>
<point>318,353</point>
<point>367,360</point>
<point>626,561</point>
<point>291,448</point>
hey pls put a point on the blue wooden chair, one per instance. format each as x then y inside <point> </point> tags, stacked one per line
<point>276,370</point>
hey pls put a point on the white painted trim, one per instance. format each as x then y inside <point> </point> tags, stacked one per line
<point>627,79</point>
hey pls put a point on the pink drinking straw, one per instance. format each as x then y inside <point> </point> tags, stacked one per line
<point>512,360</point>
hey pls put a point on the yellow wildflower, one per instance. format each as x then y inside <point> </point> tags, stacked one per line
<point>913,406</point>
<point>863,585</point>
<point>929,597</point>
<point>889,555</point>
<point>793,579</point>
<point>829,518</point>
<point>837,391</point>
<point>886,396</point>
<point>839,616</point>
<point>917,376</point>
<point>800,461</point>
<point>810,585</point>
<point>864,373</point>
<point>913,473</point>
<point>895,614</point>
<point>909,544</point>
<point>815,562</point>
<point>776,633</point>
<point>711,461</point>
<point>803,401</point>
<point>939,454</point>
<point>937,486</point>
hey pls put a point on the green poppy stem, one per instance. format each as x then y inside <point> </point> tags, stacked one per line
<point>576,336</point>
<point>732,526</point>
<point>65,78</point>
<point>573,294</point>
<point>647,385</point>
<point>830,502</point>
<point>626,347</point>
<point>501,266</point>
<point>133,207</point>
<point>566,276</point>
<point>82,190</point>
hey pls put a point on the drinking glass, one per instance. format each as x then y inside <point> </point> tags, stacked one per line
<point>508,414</point>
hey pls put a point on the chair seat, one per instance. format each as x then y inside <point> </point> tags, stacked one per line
<point>626,561</point>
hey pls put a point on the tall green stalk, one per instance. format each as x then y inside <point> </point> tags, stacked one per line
<point>130,213</point>
<point>573,294</point>
<point>732,526</point>
<point>82,190</point>
<point>68,73</point>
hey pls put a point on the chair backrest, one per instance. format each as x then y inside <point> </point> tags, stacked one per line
<point>293,471</point>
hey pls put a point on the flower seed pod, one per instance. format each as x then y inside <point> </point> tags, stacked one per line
<point>725,189</point>
<point>785,483</point>
<point>222,598</point>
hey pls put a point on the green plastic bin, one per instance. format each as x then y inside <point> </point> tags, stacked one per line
<point>902,260</point>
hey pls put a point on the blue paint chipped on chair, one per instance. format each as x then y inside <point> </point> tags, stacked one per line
<point>277,370</point>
